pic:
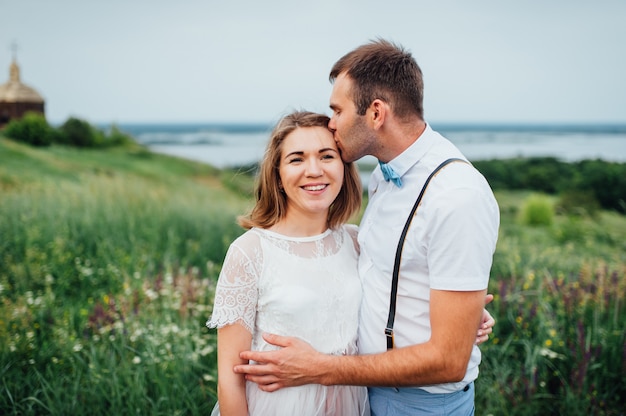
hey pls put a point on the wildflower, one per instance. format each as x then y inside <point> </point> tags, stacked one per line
<point>151,294</point>
<point>548,343</point>
<point>518,320</point>
<point>77,347</point>
<point>207,350</point>
<point>208,377</point>
<point>136,359</point>
<point>546,352</point>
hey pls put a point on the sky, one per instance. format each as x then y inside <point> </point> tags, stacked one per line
<point>202,61</point>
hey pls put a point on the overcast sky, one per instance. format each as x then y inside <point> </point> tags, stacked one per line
<point>212,61</point>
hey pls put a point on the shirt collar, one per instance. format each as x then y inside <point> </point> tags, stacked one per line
<point>414,153</point>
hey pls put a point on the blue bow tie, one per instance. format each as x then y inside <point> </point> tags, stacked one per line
<point>390,175</point>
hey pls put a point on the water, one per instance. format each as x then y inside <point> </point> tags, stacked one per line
<point>232,145</point>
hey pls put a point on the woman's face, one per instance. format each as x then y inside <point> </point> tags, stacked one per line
<point>311,170</point>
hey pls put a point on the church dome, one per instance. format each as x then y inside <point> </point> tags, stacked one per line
<point>16,92</point>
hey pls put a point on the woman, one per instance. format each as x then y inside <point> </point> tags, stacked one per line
<point>294,271</point>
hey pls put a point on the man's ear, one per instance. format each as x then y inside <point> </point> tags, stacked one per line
<point>377,113</point>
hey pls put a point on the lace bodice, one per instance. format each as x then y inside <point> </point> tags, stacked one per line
<point>304,287</point>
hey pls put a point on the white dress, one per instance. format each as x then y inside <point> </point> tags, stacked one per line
<point>304,287</point>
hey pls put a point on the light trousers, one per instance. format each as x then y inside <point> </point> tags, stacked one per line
<point>389,401</point>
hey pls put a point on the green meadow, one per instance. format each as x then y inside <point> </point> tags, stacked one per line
<point>109,259</point>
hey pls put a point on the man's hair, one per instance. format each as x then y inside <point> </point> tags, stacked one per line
<point>382,70</point>
<point>271,201</point>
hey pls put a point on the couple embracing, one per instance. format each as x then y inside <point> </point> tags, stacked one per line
<point>317,317</point>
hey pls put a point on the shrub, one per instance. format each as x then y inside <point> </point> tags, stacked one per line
<point>578,202</point>
<point>79,133</point>
<point>117,138</point>
<point>606,180</point>
<point>32,129</point>
<point>537,210</point>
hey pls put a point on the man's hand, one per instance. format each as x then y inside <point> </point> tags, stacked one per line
<point>295,364</point>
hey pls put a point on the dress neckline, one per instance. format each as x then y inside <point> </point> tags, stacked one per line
<point>291,238</point>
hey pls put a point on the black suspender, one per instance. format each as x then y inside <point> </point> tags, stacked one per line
<point>396,264</point>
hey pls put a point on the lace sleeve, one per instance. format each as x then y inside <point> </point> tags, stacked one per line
<point>236,293</point>
<point>353,231</point>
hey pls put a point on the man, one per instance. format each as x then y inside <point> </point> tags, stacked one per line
<point>377,108</point>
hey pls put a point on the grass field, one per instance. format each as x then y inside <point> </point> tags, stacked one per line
<point>108,261</point>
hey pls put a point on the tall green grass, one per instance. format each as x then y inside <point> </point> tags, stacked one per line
<point>559,345</point>
<point>108,261</point>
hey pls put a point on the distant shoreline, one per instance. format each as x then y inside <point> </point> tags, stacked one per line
<point>257,127</point>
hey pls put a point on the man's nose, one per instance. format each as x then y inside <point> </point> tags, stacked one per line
<point>332,126</point>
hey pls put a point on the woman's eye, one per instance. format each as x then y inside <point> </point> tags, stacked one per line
<point>328,157</point>
<point>295,160</point>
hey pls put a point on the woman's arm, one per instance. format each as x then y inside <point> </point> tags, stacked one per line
<point>231,387</point>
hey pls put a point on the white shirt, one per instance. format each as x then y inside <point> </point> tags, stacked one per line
<point>449,246</point>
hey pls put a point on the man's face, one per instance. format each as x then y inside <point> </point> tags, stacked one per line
<point>354,138</point>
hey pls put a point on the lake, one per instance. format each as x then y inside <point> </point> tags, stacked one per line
<point>236,144</point>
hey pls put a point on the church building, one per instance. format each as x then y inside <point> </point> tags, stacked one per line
<point>17,98</point>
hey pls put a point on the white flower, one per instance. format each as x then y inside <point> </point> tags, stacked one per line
<point>207,350</point>
<point>136,359</point>
<point>545,352</point>
<point>151,294</point>
<point>77,347</point>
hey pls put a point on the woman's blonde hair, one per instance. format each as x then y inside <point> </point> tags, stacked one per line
<point>271,202</point>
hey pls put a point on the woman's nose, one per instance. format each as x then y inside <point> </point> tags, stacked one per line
<point>313,167</point>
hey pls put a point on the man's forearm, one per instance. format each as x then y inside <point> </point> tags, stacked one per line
<point>417,365</point>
